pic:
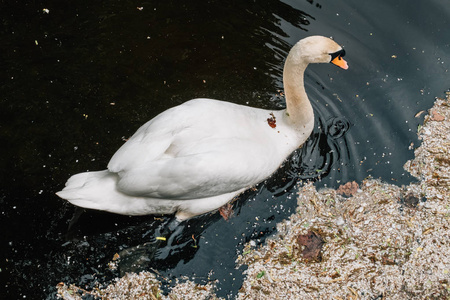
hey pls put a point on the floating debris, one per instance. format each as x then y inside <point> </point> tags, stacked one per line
<point>435,116</point>
<point>348,189</point>
<point>371,247</point>
<point>419,113</point>
<point>226,211</point>
<point>312,244</point>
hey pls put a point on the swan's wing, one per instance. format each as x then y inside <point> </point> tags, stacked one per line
<point>221,169</point>
<point>148,143</point>
<point>191,158</point>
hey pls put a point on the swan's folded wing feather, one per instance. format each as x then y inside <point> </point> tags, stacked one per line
<point>148,143</point>
<point>187,153</point>
<point>223,169</point>
<point>137,152</point>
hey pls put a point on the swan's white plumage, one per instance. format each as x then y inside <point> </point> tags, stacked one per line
<point>203,155</point>
<point>197,156</point>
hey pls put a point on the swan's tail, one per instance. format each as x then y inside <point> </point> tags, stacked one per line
<point>98,190</point>
<point>90,189</point>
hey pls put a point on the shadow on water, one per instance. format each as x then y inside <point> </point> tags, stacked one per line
<point>78,80</point>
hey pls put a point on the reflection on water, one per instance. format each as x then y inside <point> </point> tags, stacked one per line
<point>78,80</point>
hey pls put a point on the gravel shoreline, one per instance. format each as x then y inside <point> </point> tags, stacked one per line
<point>368,240</point>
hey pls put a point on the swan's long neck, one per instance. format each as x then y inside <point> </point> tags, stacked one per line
<point>298,107</point>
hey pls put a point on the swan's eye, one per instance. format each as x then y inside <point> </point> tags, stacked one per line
<point>338,54</point>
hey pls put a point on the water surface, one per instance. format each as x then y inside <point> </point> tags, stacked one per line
<point>78,80</point>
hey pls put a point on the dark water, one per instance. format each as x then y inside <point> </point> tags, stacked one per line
<point>78,80</point>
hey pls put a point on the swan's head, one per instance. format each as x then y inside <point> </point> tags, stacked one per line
<point>319,49</point>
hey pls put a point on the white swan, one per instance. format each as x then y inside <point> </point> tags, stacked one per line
<point>194,158</point>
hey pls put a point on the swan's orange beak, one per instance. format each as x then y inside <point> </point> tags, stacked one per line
<point>340,62</point>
